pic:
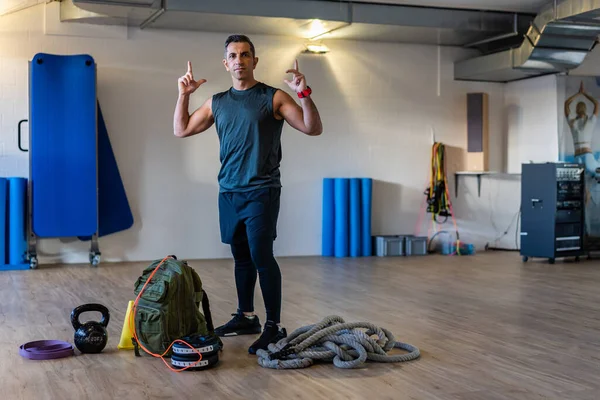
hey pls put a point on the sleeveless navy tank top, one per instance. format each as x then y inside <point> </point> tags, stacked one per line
<point>249,138</point>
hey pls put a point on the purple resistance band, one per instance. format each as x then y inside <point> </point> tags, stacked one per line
<point>46,349</point>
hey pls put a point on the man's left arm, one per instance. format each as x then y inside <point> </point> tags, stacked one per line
<point>304,117</point>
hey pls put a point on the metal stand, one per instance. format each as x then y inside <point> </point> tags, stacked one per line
<point>95,251</point>
<point>31,238</point>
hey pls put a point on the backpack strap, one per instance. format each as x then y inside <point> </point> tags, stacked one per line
<point>202,297</point>
<point>207,314</point>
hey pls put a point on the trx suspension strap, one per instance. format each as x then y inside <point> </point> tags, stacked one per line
<point>437,196</point>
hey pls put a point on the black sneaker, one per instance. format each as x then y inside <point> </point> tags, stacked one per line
<point>271,334</point>
<point>239,325</point>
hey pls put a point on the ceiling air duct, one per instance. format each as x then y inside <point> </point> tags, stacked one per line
<point>558,40</point>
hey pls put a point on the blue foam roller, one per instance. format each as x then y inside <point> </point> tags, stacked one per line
<point>17,204</point>
<point>367,196</point>
<point>328,239</point>
<point>63,146</point>
<point>342,224</point>
<point>355,218</point>
<point>3,220</point>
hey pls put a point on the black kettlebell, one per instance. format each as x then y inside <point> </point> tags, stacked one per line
<point>90,337</point>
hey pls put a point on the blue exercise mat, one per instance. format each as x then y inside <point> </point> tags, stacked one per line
<point>366,206</point>
<point>17,206</point>
<point>355,218</point>
<point>4,221</point>
<point>63,146</point>
<point>328,229</point>
<point>346,225</point>
<point>342,225</point>
<point>13,213</point>
<point>115,213</point>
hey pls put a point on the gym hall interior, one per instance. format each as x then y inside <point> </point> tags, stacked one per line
<point>311,199</point>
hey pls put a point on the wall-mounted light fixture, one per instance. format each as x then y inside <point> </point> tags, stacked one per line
<point>316,48</point>
<point>316,29</point>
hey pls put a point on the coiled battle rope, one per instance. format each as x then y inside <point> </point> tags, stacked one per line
<point>347,345</point>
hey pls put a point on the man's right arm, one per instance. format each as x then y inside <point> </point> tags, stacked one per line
<point>185,125</point>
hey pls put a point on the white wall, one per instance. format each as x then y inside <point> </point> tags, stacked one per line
<point>531,110</point>
<point>530,135</point>
<point>532,121</point>
<point>379,103</point>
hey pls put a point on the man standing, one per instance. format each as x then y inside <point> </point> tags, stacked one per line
<point>249,119</point>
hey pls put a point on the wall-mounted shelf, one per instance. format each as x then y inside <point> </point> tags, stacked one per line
<point>478,174</point>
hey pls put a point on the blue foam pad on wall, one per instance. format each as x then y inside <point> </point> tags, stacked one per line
<point>367,199</point>
<point>63,145</point>
<point>342,224</point>
<point>4,220</point>
<point>113,207</point>
<point>328,223</point>
<point>355,218</point>
<point>17,206</point>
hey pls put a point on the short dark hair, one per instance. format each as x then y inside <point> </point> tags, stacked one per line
<point>240,39</point>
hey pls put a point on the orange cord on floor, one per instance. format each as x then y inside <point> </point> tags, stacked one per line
<point>132,327</point>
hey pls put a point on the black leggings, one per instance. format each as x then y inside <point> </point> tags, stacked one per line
<point>252,258</point>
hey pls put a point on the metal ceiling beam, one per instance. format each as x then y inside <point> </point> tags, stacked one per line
<point>429,17</point>
<point>267,8</point>
<point>354,12</point>
<point>120,3</point>
<point>341,11</point>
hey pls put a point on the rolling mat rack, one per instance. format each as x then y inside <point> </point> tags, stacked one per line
<point>74,187</point>
<point>62,189</point>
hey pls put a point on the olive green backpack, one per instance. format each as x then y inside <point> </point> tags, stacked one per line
<point>169,307</point>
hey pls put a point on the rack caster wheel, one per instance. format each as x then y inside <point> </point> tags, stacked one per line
<point>551,260</point>
<point>525,258</point>
<point>33,263</point>
<point>94,259</point>
<point>577,259</point>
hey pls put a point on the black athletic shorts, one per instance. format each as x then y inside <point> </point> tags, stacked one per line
<point>244,216</point>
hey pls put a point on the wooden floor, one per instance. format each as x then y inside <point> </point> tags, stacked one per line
<point>488,327</point>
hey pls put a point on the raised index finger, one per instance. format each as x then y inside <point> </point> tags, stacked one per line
<point>296,65</point>
<point>189,67</point>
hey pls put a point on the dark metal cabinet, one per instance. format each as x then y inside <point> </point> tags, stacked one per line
<point>552,210</point>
